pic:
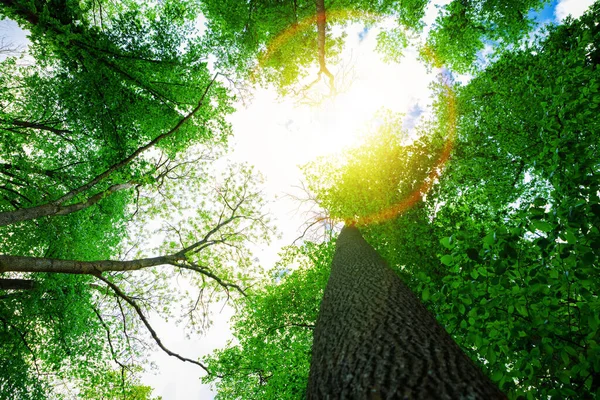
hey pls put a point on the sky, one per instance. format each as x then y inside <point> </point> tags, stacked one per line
<point>276,136</point>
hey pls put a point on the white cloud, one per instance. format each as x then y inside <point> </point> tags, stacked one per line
<point>575,8</point>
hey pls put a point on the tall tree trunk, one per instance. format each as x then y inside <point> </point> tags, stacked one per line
<point>375,340</point>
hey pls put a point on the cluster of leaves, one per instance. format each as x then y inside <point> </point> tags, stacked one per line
<point>58,304</point>
<point>371,180</point>
<point>77,110</point>
<point>278,43</point>
<point>530,307</point>
<point>270,355</point>
<point>464,27</point>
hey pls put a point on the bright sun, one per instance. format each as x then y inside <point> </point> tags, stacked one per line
<point>277,135</point>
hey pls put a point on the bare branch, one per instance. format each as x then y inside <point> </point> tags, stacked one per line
<point>9,49</point>
<point>310,225</point>
<point>204,271</point>
<point>107,329</point>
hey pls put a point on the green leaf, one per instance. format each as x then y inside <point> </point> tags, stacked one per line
<point>491,355</point>
<point>565,357</point>
<point>447,242</point>
<point>497,376</point>
<point>570,237</point>
<point>490,238</point>
<point>447,260</point>
<point>425,294</point>
<point>542,225</point>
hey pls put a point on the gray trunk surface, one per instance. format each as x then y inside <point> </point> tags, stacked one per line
<point>375,340</point>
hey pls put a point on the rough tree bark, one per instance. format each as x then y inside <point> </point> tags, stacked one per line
<point>54,266</point>
<point>375,340</point>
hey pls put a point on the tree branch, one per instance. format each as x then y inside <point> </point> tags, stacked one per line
<point>17,284</point>
<point>50,265</point>
<point>140,313</point>
<point>112,349</point>
<point>24,340</point>
<point>11,217</point>
<point>321,36</point>
<point>197,268</point>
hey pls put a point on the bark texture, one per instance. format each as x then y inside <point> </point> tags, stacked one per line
<point>50,265</point>
<point>375,340</point>
<point>16,284</point>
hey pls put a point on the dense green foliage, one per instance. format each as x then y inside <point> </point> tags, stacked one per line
<point>531,306</point>
<point>105,84</point>
<point>502,241</point>
<point>277,42</point>
<point>355,186</point>
<point>270,355</point>
<point>504,247</point>
<point>464,27</point>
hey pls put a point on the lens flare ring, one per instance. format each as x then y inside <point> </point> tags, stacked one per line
<point>417,195</point>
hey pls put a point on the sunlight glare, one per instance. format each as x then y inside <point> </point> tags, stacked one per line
<point>278,135</point>
<point>341,120</point>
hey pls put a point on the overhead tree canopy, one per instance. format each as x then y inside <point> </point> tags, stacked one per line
<point>503,248</point>
<point>111,128</point>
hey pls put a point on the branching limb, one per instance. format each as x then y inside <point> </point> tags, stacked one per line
<point>204,271</point>
<point>308,227</point>
<point>11,217</point>
<point>108,336</point>
<point>146,323</point>
<point>24,340</point>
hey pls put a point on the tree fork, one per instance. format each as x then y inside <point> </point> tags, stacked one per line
<point>321,36</point>
<point>374,339</point>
